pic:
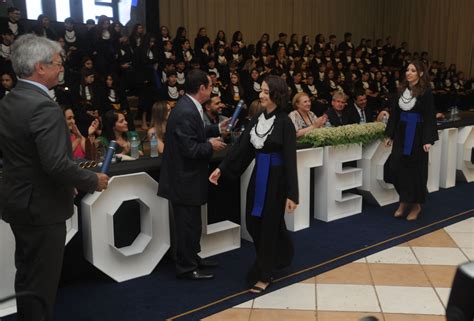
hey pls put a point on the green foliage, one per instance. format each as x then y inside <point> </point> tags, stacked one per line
<point>343,135</point>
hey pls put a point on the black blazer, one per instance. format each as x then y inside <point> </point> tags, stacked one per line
<point>184,169</point>
<point>335,120</point>
<point>39,174</point>
<point>354,116</point>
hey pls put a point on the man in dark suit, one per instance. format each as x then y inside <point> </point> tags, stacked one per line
<point>337,114</point>
<point>359,111</point>
<point>39,176</point>
<point>184,172</point>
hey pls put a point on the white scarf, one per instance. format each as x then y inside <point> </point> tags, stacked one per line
<point>263,126</point>
<point>173,92</point>
<point>406,100</point>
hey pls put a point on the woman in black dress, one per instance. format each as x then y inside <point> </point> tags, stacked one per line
<point>270,139</point>
<point>411,129</point>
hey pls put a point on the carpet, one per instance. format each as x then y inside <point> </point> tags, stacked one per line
<point>92,296</point>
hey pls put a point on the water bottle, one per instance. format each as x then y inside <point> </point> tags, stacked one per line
<point>456,113</point>
<point>153,146</point>
<point>134,147</point>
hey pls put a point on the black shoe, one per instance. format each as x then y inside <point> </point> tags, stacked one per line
<point>196,275</point>
<point>207,264</point>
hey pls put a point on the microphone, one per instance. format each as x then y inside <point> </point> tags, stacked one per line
<point>237,111</point>
<point>108,157</point>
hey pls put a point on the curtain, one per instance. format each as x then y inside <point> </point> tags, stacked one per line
<point>443,28</point>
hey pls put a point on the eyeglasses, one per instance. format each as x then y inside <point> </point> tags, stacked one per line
<point>57,63</point>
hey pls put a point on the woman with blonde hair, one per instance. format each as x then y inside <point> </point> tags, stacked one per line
<point>302,117</point>
<point>159,117</point>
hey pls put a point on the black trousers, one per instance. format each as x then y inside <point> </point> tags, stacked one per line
<point>38,259</point>
<point>188,235</point>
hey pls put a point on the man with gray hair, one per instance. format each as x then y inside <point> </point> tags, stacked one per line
<point>38,187</point>
<point>337,115</point>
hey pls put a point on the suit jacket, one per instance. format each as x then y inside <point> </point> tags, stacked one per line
<point>354,116</point>
<point>39,174</point>
<point>335,120</point>
<point>184,169</point>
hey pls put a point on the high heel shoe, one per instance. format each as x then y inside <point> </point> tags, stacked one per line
<point>259,289</point>
<point>414,213</point>
<point>400,212</point>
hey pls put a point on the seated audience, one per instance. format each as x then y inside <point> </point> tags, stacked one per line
<point>336,114</point>
<point>359,111</point>
<point>78,141</point>
<point>302,117</point>
<point>116,128</point>
<point>159,116</point>
<point>7,82</point>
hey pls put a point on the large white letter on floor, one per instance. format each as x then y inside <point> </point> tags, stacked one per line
<point>465,153</point>
<point>332,180</point>
<point>374,188</point>
<point>305,159</point>
<point>151,244</point>
<point>218,237</point>
<point>7,261</point>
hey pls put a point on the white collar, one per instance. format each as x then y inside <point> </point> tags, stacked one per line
<point>197,104</point>
<point>37,84</point>
<point>264,127</point>
<point>406,100</point>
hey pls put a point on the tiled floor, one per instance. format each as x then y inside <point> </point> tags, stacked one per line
<point>409,282</point>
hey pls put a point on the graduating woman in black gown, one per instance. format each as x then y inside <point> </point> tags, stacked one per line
<point>270,139</point>
<point>411,130</point>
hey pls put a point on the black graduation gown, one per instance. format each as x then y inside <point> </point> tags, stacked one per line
<point>273,245</point>
<point>409,173</point>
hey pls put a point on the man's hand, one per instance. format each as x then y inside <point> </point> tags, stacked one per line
<point>388,142</point>
<point>217,144</point>
<point>223,125</point>
<point>102,182</point>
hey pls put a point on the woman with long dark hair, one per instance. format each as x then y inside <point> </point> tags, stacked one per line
<point>270,139</point>
<point>103,43</point>
<point>116,128</point>
<point>220,40</point>
<point>179,39</point>
<point>264,41</point>
<point>411,130</point>
<point>7,82</point>
<point>137,36</point>
<point>116,99</point>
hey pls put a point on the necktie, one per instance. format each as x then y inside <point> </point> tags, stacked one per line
<point>362,116</point>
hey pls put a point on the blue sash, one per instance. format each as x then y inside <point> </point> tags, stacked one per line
<point>411,119</point>
<point>263,162</point>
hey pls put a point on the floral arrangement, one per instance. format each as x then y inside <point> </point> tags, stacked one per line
<point>343,135</point>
